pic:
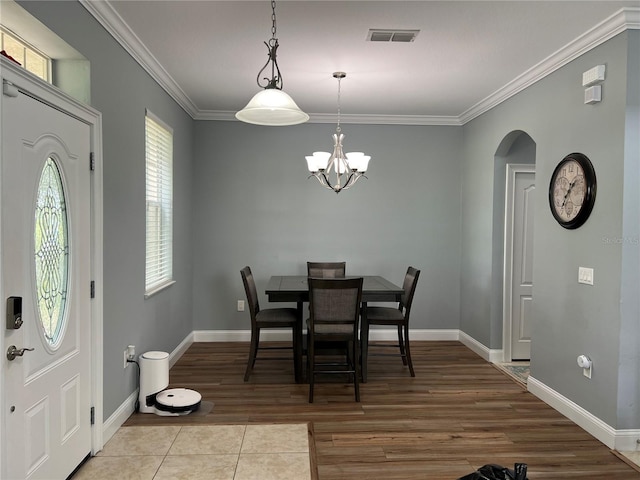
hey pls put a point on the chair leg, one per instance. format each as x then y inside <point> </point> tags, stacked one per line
<point>364,347</point>
<point>253,353</point>
<point>408,349</point>
<point>298,346</point>
<point>356,369</point>
<point>311,361</point>
<point>401,343</point>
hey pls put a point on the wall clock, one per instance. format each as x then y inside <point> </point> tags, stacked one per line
<point>572,191</point>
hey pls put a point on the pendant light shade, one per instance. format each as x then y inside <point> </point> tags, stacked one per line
<point>272,107</point>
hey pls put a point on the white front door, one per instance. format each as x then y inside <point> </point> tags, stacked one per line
<point>519,259</point>
<point>46,262</point>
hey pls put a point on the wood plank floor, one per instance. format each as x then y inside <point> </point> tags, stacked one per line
<point>457,414</point>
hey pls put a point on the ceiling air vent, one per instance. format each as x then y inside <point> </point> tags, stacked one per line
<point>381,35</point>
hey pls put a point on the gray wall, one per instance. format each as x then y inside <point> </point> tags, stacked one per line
<point>568,319</point>
<point>121,90</point>
<point>253,205</point>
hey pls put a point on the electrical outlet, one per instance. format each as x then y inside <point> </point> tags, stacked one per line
<point>125,359</point>
<point>241,305</point>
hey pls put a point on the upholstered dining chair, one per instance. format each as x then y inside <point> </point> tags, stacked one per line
<point>268,318</point>
<point>334,312</point>
<point>326,269</point>
<point>398,316</point>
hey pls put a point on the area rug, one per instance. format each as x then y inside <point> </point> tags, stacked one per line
<point>519,371</point>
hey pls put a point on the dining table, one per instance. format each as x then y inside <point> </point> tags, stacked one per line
<point>295,288</point>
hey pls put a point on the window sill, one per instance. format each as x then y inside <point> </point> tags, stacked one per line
<point>158,289</point>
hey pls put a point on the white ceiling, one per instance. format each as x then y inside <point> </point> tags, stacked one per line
<point>468,55</point>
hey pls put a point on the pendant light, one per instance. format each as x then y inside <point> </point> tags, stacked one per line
<point>272,106</point>
<point>347,168</point>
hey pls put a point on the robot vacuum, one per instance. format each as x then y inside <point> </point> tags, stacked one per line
<point>154,379</point>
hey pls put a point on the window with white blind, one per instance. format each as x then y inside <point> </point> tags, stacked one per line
<point>159,174</point>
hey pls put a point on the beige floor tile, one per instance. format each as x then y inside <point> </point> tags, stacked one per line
<point>122,468</point>
<point>632,456</point>
<point>140,441</point>
<point>273,466</point>
<point>279,438</point>
<point>208,440</point>
<point>197,467</point>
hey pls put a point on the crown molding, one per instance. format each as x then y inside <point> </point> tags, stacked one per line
<point>106,15</point>
<point>626,18</point>
<point>349,118</point>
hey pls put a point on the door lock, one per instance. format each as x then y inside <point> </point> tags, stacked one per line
<point>14,313</point>
<point>14,352</point>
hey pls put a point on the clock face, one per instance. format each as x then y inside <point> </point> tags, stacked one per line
<point>572,190</point>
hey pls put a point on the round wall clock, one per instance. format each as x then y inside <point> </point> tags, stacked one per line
<point>572,191</point>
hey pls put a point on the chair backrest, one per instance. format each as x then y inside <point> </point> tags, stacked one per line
<point>409,287</point>
<point>250,290</point>
<point>326,269</point>
<point>335,301</point>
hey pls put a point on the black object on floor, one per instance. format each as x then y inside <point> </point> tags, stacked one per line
<point>498,472</point>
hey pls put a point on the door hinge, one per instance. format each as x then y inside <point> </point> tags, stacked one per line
<point>93,289</point>
<point>93,415</point>
<point>92,162</point>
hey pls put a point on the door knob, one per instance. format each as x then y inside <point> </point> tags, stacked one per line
<point>14,352</point>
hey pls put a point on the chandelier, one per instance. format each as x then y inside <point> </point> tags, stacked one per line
<point>272,106</point>
<point>347,168</point>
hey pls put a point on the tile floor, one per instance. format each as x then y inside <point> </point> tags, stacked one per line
<point>220,452</point>
<point>633,457</point>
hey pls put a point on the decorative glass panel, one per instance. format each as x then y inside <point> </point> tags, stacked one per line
<point>51,252</point>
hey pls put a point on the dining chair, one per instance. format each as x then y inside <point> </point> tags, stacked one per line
<point>334,312</point>
<point>398,316</point>
<point>326,269</point>
<point>269,318</point>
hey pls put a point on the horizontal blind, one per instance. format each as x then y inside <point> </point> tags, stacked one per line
<point>159,217</point>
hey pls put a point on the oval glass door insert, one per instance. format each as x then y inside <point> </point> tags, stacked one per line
<point>51,253</point>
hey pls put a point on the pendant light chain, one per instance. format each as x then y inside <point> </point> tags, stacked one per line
<point>273,19</point>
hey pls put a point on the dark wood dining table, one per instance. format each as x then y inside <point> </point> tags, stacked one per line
<point>294,288</point>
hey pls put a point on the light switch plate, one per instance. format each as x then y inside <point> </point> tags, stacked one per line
<point>585,275</point>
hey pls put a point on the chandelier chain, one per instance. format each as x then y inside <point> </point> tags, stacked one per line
<point>338,129</point>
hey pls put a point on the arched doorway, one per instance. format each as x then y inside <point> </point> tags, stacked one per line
<point>514,180</point>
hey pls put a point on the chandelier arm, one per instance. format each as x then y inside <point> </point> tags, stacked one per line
<point>322,179</point>
<point>356,177</point>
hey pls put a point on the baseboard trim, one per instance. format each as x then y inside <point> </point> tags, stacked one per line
<point>621,440</point>
<point>181,348</point>
<point>274,335</point>
<point>117,419</point>
<point>490,355</point>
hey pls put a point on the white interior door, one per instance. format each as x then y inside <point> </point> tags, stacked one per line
<point>46,248</point>
<point>519,259</point>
